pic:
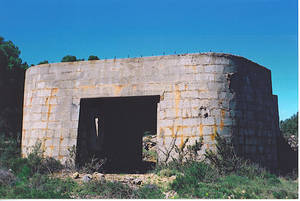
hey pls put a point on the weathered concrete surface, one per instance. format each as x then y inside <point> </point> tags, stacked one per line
<point>200,95</point>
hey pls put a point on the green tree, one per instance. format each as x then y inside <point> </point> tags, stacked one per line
<point>289,126</point>
<point>12,74</point>
<point>43,62</point>
<point>69,58</point>
<point>92,57</point>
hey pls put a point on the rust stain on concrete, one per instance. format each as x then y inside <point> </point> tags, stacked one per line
<point>201,130</point>
<point>53,92</point>
<point>161,132</point>
<point>172,130</point>
<point>222,119</point>
<point>117,89</point>
<point>47,101</point>
<point>134,87</point>
<point>213,135</point>
<point>191,66</point>
<point>162,135</point>
<point>49,112</point>
<point>181,140</point>
<point>178,129</point>
<point>87,87</point>
<point>177,99</point>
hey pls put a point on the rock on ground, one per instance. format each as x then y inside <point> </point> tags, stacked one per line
<point>75,175</point>
<point>98,176</point>
<point>6,177</point>
<point>86,178</point>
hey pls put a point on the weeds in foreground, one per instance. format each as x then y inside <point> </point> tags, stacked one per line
<point>225,159</point>
<point>202,180</point>
<point>26,167</point>
<point>194,179</point>
<point>35,163</point>
<point>38,186</point>
<point>93,165</point>
<point>9,150</point>
<point>224,175</point>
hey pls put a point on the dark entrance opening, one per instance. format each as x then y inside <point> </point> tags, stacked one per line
<point>112,129</point>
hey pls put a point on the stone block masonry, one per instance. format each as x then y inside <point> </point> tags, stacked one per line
<point>200,95</point>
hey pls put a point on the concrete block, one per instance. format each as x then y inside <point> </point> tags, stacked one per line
<point>166,123</point>
<point>213,69</point>
<point>38,101</point>
<point>190,121</point>
<point>207,130</point>
<point>189,94</point>
<point>170,113</point>
<point>208,121</point>
<point>169,96</point>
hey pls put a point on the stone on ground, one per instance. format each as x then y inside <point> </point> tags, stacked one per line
<point>6,177</point>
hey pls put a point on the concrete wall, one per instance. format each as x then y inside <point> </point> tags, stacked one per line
<point>200,95</point>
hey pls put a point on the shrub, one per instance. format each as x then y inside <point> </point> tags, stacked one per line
<point>6,177</point>
<point>168,172</point>
<point>51,165</point>
<point>69,58</point>
<point>70,163</point>
<point>93,165</point>
<point>38,164</point>
<point>43,62</point>
<point>92,57</point>
<point>225,159</point>
<point>187,153</point>
<point>103,189</point>
<point>149,192</point>
<point>9,150</point>
<point>192,175</point>
<point>289,126</point>
<point>250,170</point>
<point>117,190</point>
<point>17,164</point>
<point>282,194</point>
<point>34,163</point>
<point>39,186</point>
<point>24,172</point>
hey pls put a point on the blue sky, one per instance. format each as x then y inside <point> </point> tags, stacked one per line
<point>264,31</point>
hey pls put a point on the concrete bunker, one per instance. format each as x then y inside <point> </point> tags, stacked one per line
<point>112,128</point>
<point>199,95</point>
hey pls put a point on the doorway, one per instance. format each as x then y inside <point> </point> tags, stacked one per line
<point>112,129</point>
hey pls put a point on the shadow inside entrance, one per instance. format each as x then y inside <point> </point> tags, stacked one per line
<point>112,129</point>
